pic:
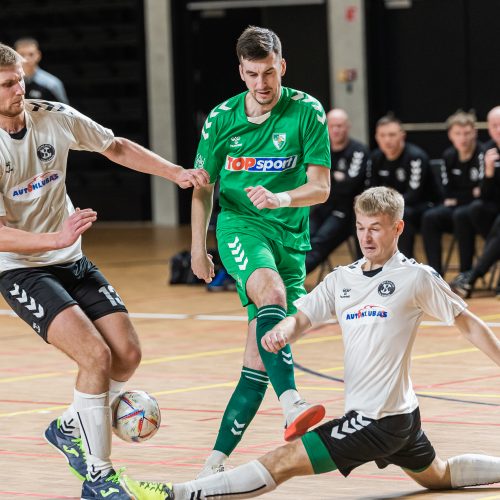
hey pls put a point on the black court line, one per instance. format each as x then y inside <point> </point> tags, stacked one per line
<point>443,398</point>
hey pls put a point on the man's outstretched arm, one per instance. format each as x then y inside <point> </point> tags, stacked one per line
<point>477,332</point>
<point>131,155</point>
<point>19,241</point>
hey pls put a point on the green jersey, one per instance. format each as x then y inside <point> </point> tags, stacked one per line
<point>273,154</point>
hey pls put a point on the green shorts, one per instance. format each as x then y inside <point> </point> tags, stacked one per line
<point>243,250</point>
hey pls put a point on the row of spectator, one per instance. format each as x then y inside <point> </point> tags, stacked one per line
<point>458,193</point>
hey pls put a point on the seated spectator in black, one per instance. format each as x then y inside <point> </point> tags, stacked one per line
<point>480,214</point>
<point>332,222</point>
<point>461,175</point>
<point>40,84</point>
<point>404,167</point>
<point>464,283</point>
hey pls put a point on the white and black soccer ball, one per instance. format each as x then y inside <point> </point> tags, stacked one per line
<point>136,416</point>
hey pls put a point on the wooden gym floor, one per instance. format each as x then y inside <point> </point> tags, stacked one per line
<point>192,344</point>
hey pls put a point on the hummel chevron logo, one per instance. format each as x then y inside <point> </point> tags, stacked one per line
<point>238,426</point>
<point>67,427</point>
<point>357,424</point>
<point>197,497</point>
<point>212,115</point>
<point>321,116</point>
<point>234,243</point>
<point>239,253</point>
<point>287,357</point>
<point>24,298</point>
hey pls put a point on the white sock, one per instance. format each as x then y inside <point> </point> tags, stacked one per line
<point>246,481</point>
<point>115,389</point>
<point>94,417</point>
<point>69,423</point>
<point>287,399</point>
<point>472,470</point>
<point>216,458</point>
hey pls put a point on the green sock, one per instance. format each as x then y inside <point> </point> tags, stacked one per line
<point>241,409</point>
<point>279,367</point>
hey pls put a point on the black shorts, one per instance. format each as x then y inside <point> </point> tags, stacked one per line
<point>39,294</point>
<point>354,440</point>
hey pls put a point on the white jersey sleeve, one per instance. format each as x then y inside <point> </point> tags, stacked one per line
<point>88,135</point>
<point>435,297</point>
<point>319,304</point>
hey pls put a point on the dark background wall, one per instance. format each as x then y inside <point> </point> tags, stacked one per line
<point>427,61</point>
<point>96,47</point>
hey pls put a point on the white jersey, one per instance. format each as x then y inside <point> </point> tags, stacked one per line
<point>379,317</point>
<point>33,173</point>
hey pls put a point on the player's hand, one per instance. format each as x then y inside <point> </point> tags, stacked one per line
<point>262,197</point>
<point>274,340</point>
<point>74,226</point>
<point>202,266</point>
<point>192,178</point>
<point>490,158</point>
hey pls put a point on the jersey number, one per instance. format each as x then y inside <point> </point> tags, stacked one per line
<point>110,293</point>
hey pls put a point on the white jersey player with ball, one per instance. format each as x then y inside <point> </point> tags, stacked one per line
<point>49,283</point>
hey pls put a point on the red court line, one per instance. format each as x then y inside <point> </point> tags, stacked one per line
<point>479,424</point>
<point>451,382</point>
<point>37,495</point>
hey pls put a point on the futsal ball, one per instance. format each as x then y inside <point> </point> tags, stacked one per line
<point>136,416</point>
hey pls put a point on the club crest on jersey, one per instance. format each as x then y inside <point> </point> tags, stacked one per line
<point>367,314</point>
<point>386,288</point>
<point>46,152</point>
<point>36,186</point>
<point>279,141</point>
<point>260,164</point>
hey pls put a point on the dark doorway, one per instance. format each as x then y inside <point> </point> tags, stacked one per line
<point>206,67</point>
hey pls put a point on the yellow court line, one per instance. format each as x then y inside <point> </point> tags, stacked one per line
<point>444,353</point>
<point>488,317</point>
<point>31,377</point>
<point>196,388</point>
<point>38,410</point>
<point>494,497</point>
<point>460,394</point>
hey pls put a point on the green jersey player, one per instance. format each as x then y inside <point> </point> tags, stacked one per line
<point>269,147</point>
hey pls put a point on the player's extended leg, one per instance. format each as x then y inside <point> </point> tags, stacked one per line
<point>266,289</point>
<point>458,471</point>
<point>74,334</point>
<point>242,406</point>
<point>246,481</point>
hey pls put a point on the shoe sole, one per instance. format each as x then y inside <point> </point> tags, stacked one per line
<point>74,471</point>
<point>304,421</point>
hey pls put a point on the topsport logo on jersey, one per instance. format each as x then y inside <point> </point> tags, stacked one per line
<point>367,314</point>
<point>36,186</point>
<point>260,164</point>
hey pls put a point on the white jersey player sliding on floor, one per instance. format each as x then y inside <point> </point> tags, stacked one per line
<point>379,302</point>
<point>47,280</point>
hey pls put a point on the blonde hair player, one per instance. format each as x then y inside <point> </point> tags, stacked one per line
<point>382,418</point>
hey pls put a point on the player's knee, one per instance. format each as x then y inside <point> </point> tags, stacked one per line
<point>273,296</point>
<point>98,359</point>
<point>132,357</point>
